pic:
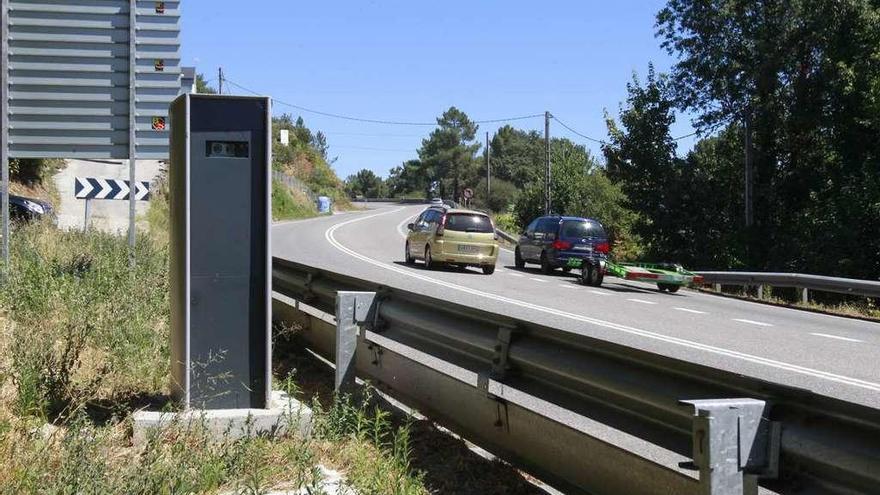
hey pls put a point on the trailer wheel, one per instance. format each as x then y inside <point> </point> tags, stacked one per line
<point>672,288</point>
<point>591,275</point>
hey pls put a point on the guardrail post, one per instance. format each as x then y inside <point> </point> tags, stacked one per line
<point>717,287</point>
<point>732,445</point>
<point>352,310</point>
<point>805,295</point>
<point>760,292</point>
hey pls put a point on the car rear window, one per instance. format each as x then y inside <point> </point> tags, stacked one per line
<point>466,222</point>
<point>581,228</point>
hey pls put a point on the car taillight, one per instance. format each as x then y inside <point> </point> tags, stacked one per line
<point>561,245</point>
<point>442,225</point>
<point>603,247</point>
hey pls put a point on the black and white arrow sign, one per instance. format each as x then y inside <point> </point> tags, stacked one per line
<point>92,188</point>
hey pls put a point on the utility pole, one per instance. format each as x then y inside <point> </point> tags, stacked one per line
<point>547,178</point>
<point>220,79</point>
<point>748,193</point>
<point>4,133</point>
<point>488,169</point>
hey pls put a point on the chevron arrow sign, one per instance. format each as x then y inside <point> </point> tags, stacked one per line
<point>92,188</point>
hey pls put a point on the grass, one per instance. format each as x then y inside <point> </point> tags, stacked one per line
<point>84,343</point>
<point>835,304</point>
<point>288,204</point>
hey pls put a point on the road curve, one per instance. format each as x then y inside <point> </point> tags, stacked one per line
<point>829,355</point>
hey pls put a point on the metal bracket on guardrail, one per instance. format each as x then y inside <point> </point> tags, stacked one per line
<point>378,324</point>
<point>733,445</point>
<point>309,296</point>
<point>353,309</point>
<point>500,364</point>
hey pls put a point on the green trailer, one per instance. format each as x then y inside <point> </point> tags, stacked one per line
<point>668,276</point>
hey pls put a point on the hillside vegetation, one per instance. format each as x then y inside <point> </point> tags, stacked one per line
<point>304,159</point>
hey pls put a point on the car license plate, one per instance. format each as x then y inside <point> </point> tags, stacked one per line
<point>464,248</point>
<point>574,262</point>
<point>583,248</point>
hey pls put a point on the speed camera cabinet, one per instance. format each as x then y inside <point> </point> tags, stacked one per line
<point>219,194</point>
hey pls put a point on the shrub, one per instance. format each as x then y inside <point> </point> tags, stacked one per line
<point>288,204</point>
<point>86,325</point>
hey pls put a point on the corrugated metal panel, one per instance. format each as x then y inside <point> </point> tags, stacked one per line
<point>69,76</point>
<point>158,44</point>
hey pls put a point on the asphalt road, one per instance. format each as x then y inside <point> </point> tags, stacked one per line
<point>829,355</point>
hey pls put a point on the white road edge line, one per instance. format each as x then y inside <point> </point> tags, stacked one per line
<point>516,274</point>
<point>641,301</point>
<point>838,337</point>
<point>538,280</point>
<point>694,311</point>
<point>569,286</point>
<point>753,322</point>
<point>600,293</point>
<point>855,382</point>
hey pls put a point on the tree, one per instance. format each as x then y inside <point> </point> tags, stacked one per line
<point>203,87</point>
<point>504,195</point>
<point>640,157</point>
<point>517,155</point>
<point>802,73</point>
<point>581,188</point>
<point>409,179</point>
<point>365,183</point>
<point>448,154</point>
<point>319,142</point>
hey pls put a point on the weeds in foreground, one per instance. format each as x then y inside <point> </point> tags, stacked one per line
<point>82,324</point>
<point>81,330</point>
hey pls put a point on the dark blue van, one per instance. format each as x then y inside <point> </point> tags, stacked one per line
<point>567,243</point>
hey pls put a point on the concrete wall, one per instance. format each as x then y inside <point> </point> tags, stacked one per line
<point>107,215</point>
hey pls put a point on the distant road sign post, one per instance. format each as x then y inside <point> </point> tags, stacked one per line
<point>89,188</point>
<point>87,79</point>
<point>467,194</point>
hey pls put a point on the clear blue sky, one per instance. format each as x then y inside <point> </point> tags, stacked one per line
<point>408,60</point>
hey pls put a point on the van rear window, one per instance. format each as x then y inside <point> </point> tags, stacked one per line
<point>579,228</point>
<point>467,222</point>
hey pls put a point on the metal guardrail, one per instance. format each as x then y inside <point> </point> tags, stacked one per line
<point>583,414</point>
<point>507,237</point>
<point>867,288</point>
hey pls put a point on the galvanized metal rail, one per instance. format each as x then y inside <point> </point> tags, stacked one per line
<point>806,283</point>
<point>585,415</point>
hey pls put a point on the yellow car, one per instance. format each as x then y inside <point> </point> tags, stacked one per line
<point>456,237</point>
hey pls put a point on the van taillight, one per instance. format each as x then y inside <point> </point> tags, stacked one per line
<point>561,245</point>
<point>603,247</point>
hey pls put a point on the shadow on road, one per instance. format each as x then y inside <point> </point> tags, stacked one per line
<point>441,268</point>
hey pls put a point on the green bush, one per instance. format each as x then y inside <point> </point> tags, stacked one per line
<point>508,223</point>
<point>32,171</point>
<point>503,197</point>
<point>86,325</point>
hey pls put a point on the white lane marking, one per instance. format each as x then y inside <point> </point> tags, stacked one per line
<point>538,280</point>
<point>753,322</point>
<point>400,225</point>
<point>516,274</point>
<point>694,311</point>
<point>600,293</point>
<point>838,337</point>
<point>499,270</point>
<point>329,235</point>
<point>641,301</point>
<point>569,286</point>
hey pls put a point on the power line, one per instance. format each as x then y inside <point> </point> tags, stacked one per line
<point>563,124</point>
<point>432,124</point>
<point>366,148</point>
<point>373,121</point>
